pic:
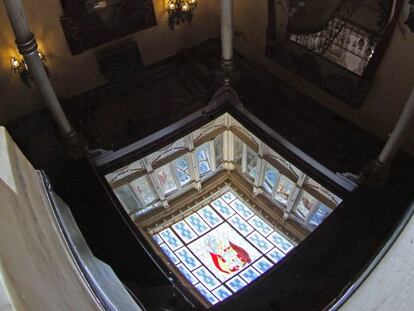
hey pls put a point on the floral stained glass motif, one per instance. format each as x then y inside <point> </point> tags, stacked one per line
<point>143,189</point>
<point>203,158</point>
<point>223,246</point>
<point>284,189</point>
<point>166,179</point>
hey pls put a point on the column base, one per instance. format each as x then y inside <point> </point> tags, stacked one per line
<point>374,175</point>
<point>227,75</point>
<point>75,145</point>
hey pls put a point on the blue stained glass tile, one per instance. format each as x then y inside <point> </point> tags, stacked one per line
<point>157,239</point>
<point>262,265</point>
<point>171,239</point>
<point>270,179</point>
<point>249,274</point>
<point>275,255</point>
<point>320,215</point>
<point>236,284</point>
<point>228,197</point>
<point>240,225</point>
<point>205,277</point>
<point>204,167</point>
<point>260,242</point>
<point>188,275</point>
<point>167,251</point>
<point>278,240</point>
<point>187,258</point>
<point>183,163</point>
<point>206,294</point>
<point>242,209</point>
<point>222,293</point>
<point>210,216</point>
<point>198,224</point>
<point>184,231</point>
<point>222,208</point>
<point>260,225</point>
<point>183,177</point>
<point>201,155</point>
<point>271,175</point>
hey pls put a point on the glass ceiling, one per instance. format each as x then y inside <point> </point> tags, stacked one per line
<point>152,182</point>
<point>190,199</point>
<point>222,247</point>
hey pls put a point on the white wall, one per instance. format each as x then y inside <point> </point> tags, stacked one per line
<point>390,286</point>
<point>72,75</point>
<point>6,303</point>
<point>37,268</point>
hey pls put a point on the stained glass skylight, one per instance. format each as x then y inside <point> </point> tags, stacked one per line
<point>222,247</point>
<point>183,171</point>
<point>203,158</point>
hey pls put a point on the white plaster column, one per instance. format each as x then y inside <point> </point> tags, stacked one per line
<point>227,30</point>
<point>375,173</point>
<point>399,133</point>
<point>27,46</point>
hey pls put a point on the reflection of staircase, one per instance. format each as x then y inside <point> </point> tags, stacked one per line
<point>312,17</point>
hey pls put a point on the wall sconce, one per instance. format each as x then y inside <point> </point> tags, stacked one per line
<point>180,11</point>
<point>20,68</point>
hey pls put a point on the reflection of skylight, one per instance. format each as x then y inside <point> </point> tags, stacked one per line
<point>222,247</point>
<point>203,159</point>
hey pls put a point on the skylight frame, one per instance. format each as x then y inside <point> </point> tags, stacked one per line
<point>110,161</point>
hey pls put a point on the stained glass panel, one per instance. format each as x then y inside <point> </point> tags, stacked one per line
<point>222,247</point>
<point>306,203</point>
<point>284,189</point>
<point>143,189</point>
<point>203,158</point>
<point>321,213</point>
<point>237,151</point>
<point>269,178</point>
<point>182,170</point>
<point>127,198</point>
<point>218,149</point>
<point>166,179</point>
<point>251,163</point>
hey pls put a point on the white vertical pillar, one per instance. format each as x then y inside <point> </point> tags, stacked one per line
<point>399,133</point>
<point>227,30</point>
<point>27,46</point>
